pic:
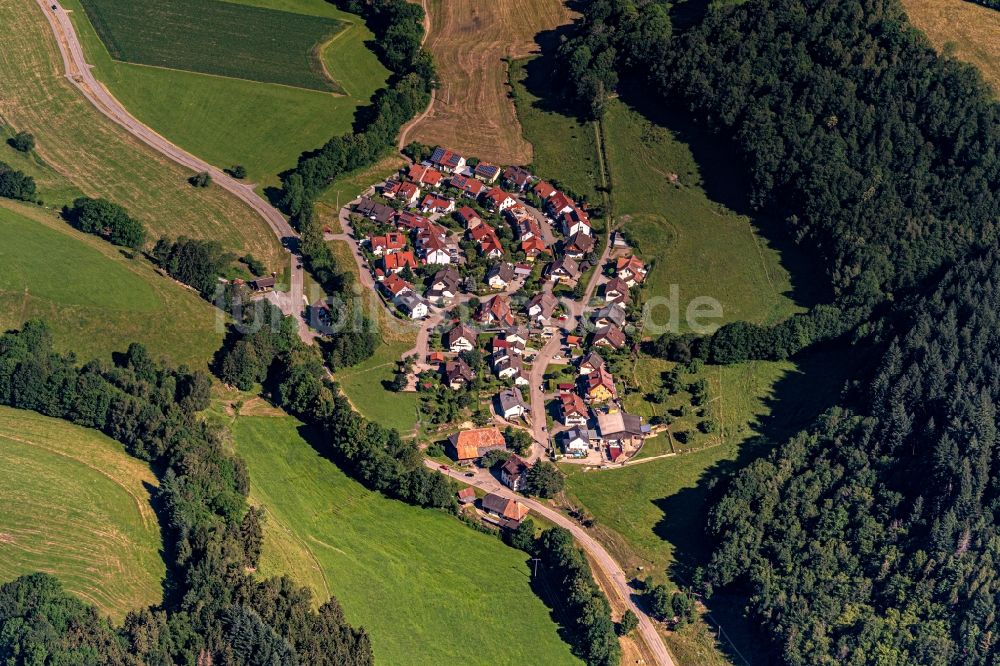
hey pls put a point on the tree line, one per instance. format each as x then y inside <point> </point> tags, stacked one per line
<point>214,611</point>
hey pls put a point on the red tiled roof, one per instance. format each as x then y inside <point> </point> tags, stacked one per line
<point>424,175</point>
<point>399,260</point>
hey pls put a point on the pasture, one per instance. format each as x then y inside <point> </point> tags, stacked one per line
<point>964,29</point>
<point>691,240</point>
<point>428,589</point>
<point>227,120</point>
<point>96,157</point>
<point>75,505</point>
<point>473,111</point>
<point>564,149</point>
<point>220,38</point>
<point>95,300</point>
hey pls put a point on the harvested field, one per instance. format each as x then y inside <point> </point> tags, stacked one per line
<point>969,31</point>
<point>98,157</point>
<point>473,111</point>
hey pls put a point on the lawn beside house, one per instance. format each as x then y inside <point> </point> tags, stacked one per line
<point>428,589</point>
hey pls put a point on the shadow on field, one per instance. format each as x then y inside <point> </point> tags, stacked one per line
<point>798,398</point>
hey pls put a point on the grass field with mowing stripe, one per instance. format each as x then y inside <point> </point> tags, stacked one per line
<point>95,300</point>
<point>98,158</point>
<point>221,38</point>
<point>75,505</point>
<point>428,589</point>
<point>228,121</point>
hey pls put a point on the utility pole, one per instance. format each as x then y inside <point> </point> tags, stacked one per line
<point>536,561</point>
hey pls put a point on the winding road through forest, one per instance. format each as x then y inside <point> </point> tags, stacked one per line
<point>79,73</point>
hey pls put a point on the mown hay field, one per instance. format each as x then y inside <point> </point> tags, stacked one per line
<point>964,29</point>
<point>73,504</point>
<point>473,111</point>
<point>221,38</point>
<point>95,300</point>
<point>428,589</point>
<point>98,158</point>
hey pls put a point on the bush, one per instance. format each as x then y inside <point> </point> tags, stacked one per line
<point>16,184</point>
<point>23,142</point>
<point>239,171</point>
<point>108,220</point>
<point>201,179</point>
<point>628,623</point>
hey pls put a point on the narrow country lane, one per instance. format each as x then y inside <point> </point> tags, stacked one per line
<point>600,557</point>
<point>80,75</point>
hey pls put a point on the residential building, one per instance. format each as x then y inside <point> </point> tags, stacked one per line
<point>541,306</point>
<point>435,250</point>
<point>387,244</point>
<point>414,306</point>
<point>509,509</point>
<point>470,187</point>
<point>533,248</point>
<point>609,336</point>
<point>614,425</point>
<point>447,160</point>
<point>514,473</point>
<point>573,410</point>
<point>631,269</point>
<point>509,367</point>
<point>403,191</point>
<point>397,261</point>
<point>543,190</point>
<point>592,362</point>
<point>444,286</point>
<point>489,242</point>
<point>497,200</point>
<point>461,338</point>
<point>579,245</point>
<point>517,178</point>
<point>262,284</point>
<point>575,222</point>
<point>374,210</point>
<point>486,172</point>
<point>396,286</point>
<point>576,442</point>
<point>469,445</point>
<point>496,311</point>
<point>458,374</point>
<point>558,203</point>
<point>424,175</point>
<point>601,386</point>
<point>564,270</point>
<point>467,495</point>
<point>616,290</point>
<point>433,203</point>
<point>610,314</point>
<point>500,275</point>
<point>510,404</point>
<point>469,217</point>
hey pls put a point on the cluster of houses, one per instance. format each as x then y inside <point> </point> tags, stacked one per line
<point>469,446</point>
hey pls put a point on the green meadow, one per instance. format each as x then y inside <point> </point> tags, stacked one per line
<point>230,119</point>
<point>75,505</point>
<point>94,298</point>
<point>428,589</point>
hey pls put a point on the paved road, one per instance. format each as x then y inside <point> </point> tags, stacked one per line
<point>601,558</point>
<point>80,75</point>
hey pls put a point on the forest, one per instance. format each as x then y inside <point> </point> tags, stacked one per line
<point>871,536</point>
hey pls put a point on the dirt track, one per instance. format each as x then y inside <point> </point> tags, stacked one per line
<point>472,111</point>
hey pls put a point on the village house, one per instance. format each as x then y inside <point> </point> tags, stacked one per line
<point>558,203</point>
<point>522,270</point>
<point>576,442</point>
<point>468,217</point>
<point>592,362</point>
<point>262,284</point>
<point>414,306</point>
<point>631,270</point>
<point>564,270</point>
<point>486,172</point>
<point>501,348</point>
<point>469,445</point>
<point>469,187</point>
<point>514,473</point>
<point>617,427</point>
<point>396,286</point>
<point>533,248</point>
<point>458,374</point>
<point>608,315</point>
<point>618,241</point>
<point>509,367</point>
<point>467,495</point>
<point>541,306</point>
<point>447,160</point>
<point>444,286</point>
<point>517,335</point>
<point>573,410</point>
<point>489,242</point>
<point>435,250</point>
<point>497,200</point>
<point>575,222</point>
<point>616,290</point>
<point>579,245</point>
<point>424,175</point>
<point>387,244</point>
<point>609,336</point>
<point>460,339</point>
<point>601,386</point>
<point>433,203</point>
<point>517,178</point>
<point>500,275</point>
<point>543,190</point>
<point>405,192</point>
<point>397,261</point>
<point>509,512</point>
<point>496,311</point>
<point>374,210</point>
<point>510,404</point>
<point>524,223</point>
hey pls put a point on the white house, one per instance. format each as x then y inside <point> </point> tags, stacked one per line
<point>414,306</point>
<point>510,404</point>
<point>576,442</point>
<point>461,338</point>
